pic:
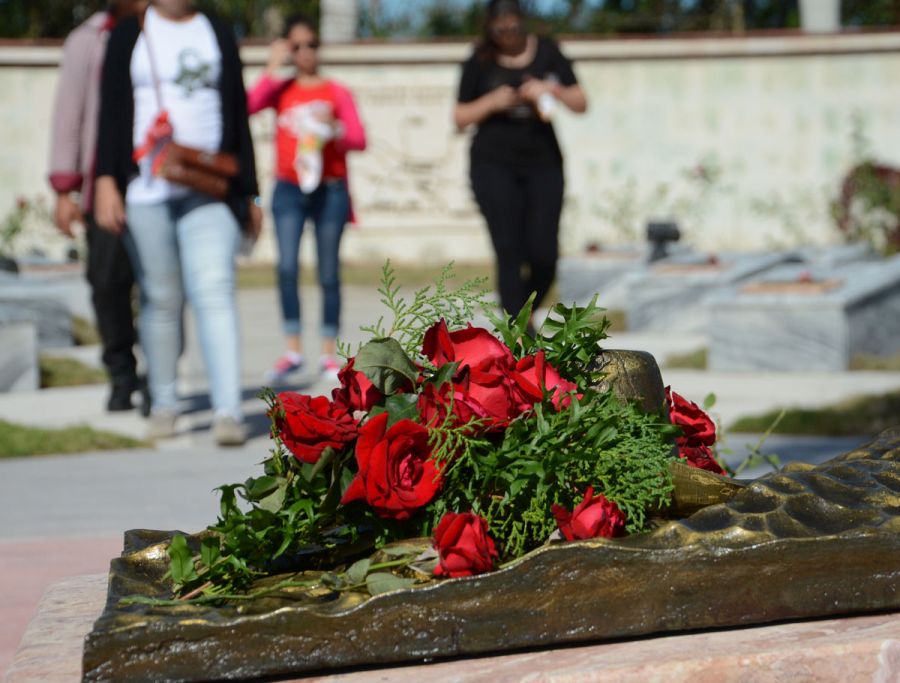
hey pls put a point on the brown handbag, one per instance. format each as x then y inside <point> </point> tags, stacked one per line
<point>206,172</point>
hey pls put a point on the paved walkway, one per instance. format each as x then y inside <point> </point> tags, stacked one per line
<point>64,515</point>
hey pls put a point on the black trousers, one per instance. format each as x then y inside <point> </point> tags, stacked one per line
<point>111,279</point>
<point>522,207</point>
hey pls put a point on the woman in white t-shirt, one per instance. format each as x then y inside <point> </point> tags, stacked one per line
<point>180,241</point>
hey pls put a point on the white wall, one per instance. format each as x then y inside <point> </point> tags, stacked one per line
<point>768,120</point>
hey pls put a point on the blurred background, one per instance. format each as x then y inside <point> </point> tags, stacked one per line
<point>737,119</point>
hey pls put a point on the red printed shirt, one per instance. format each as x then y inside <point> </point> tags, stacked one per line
<point>294,105</point>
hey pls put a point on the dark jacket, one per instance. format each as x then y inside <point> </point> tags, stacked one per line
<point>115,135</point>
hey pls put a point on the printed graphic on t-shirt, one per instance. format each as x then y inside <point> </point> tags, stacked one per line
<point>193,73</point>
<point>308,124</point>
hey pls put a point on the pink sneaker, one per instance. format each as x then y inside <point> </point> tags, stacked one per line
<point>329,366</point>
<point>284,366</point>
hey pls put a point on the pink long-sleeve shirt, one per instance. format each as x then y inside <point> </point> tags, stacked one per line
<point>77,109</point>
<point>287,97</point>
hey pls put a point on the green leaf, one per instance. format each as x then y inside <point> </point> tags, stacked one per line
<point>386,365</point>
<point>384,582</point>
<point>444,374</point>
<point>181,560</point>
<point>210,549</point>
<point>709,401</point>
<point>275,500</point>
<point>401,407</point>
<point>358,570</point>
<point>255,489</point>
<point>401,550</point>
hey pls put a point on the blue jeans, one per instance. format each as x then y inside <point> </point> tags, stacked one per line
<point>187,245</point>
<point>329,208</point>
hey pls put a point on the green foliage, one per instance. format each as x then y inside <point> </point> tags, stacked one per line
<point>429,304</point>
<point>290,515</point>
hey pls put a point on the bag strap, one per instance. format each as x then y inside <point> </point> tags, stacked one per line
<point>153,73</point>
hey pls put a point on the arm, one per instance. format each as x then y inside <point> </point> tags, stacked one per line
<point>474,112</point>
<point>354,135</point>
<point>66,131</point>
<point>472,104</point>
<point>268,87</point>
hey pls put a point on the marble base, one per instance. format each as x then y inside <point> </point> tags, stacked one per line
<point>18,357</point>
<point>579,278</point>
<point>819,330</point>
<point>857,649</point>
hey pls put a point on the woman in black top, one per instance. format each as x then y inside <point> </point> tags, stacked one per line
<point>509,88</point>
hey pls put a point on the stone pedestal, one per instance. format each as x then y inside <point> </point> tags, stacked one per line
<point>18,357</point>
<point>802,318</point>
<point>852,650</point>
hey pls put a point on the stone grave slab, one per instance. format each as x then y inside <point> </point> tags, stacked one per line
<point>49,317</point>
<point>673,295</point>
<point>812,318</point>
<point>579,278</point>
<point>18,356</point>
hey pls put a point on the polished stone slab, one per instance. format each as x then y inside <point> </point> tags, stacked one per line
<point>806,317</point>
<point>18,356</point>
<point>849,650</point>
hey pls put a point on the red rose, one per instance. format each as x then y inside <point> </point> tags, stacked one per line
<point>591,518</point>
<point>700,457</point>
<point>534,375</point>
<point>310,425</point>
<point>697,426</point>
<point>356,391</point>
<point>396,473</point>
<point>435,402</point>
<point>475,347</point>
<point>463,545</point>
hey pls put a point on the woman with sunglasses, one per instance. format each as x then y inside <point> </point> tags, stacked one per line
<point>317,124</point>
<point>509,88</point>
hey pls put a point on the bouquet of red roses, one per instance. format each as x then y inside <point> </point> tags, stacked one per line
<point>486,443</point>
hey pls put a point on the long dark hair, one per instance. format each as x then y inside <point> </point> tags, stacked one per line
<point>486,48</point>
<point>298,19</point>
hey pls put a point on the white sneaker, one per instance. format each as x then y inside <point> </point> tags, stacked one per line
<point>329,367</point>
<point>227,431</point>
<point>161,425</point>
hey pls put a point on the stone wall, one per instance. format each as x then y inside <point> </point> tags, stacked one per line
<point>743,140</point>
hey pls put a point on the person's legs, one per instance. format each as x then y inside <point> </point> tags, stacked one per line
<point>208,239</point>
<point>500,196</point>
<point>545,187</point>
<point>153,249</point>
<point>289,210</point>
<point>111,279</point>
<point>331,211</point>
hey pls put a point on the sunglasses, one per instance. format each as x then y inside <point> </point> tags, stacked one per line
<point>508,30</point>
<point>313,45</point>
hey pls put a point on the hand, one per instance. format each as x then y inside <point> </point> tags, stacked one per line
<point>254,220</point>
<point>504,97</point>
<point>532,89</point>
<point>109,209</point>
<point>279,54</point>
<point>65,213</point>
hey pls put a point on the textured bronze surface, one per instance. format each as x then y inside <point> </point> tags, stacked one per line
<point>634,376</point>
<point>804,542</point>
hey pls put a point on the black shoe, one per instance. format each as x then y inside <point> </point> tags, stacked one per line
<point>120,398</point>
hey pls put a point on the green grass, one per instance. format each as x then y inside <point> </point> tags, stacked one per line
<point>68,372</point>
<point>83,332</point>
<point>693,360</point>
<point>19,440</point>
<point>864,415</point>
<point>866,362</point>
<point>263,275</point>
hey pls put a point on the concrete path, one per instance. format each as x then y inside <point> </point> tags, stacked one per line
<point>64,515</point>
